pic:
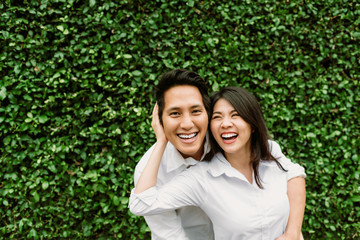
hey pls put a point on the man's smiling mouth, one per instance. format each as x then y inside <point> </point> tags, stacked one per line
<point>187,136</point>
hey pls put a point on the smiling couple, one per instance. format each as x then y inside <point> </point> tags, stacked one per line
<point>231,182</point>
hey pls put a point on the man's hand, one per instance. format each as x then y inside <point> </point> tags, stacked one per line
<point>156,125</point>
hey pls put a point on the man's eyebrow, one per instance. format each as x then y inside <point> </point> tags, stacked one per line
<point>172,109</point>
<point>178,108</point>
<point>197,106</point>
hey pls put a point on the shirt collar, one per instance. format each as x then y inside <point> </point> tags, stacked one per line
<point>176,160</point>
<point>220,166</point>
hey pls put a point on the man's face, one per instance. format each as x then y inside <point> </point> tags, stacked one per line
<point>185,120</point>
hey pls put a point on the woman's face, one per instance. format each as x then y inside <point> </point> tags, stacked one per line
<point>230,131</point>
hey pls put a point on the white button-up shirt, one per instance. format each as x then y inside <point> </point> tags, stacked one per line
<point>237,208</point>
<point>184,223</point>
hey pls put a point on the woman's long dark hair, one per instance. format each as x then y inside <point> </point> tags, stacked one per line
<point>249,109</point>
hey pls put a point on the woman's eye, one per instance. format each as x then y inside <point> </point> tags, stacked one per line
<point>197,111</point>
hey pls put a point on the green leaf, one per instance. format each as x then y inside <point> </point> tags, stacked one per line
<point>137,73</point>
<point>311,135</point>
<point>45,185</point>
<point>3,93</point>
<point>116,200</point>
<point>28,97</point>
<point>43,118</point>
<point>36,197</point>
<point>52,168</point>
<point>60,27</point>
<point>355,199</point>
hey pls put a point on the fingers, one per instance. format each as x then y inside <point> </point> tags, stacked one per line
<point>156,125</point>
<point>155,114</point>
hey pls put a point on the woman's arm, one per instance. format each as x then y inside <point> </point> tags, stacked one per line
<point>297,198</point>
<point>296,193</point>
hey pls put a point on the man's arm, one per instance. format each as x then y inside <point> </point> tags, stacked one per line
<point>163,226</point>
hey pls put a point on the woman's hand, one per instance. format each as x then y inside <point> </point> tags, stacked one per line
<point>156,125</point>
<point>287,236</point>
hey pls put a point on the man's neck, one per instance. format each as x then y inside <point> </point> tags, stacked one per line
<point>197,156</point>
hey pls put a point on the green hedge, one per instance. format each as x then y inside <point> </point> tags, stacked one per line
<point>76,93</point>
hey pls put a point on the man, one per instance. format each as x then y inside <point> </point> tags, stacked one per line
<point>183,104</point>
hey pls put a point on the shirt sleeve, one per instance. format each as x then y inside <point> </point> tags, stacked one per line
<point>166,225</point>
<point>183,190</point>
<point>293,169</point>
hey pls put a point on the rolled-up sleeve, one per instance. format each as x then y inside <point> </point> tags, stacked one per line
<point>139,204</point>
<point>293,169</point>
<point>183,190</point>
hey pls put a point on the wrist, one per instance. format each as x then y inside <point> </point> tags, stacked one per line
<point>292,235</point>
<point>161,142</point>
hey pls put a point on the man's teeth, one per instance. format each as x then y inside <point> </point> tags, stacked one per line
<point>187,136</point>
<point>229,135</point>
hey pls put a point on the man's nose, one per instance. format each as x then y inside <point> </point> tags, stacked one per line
<point>187,122</point>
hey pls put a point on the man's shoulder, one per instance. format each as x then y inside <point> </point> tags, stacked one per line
<point>168,156</point>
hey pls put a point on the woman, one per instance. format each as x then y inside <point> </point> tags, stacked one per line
<point>243,189</point>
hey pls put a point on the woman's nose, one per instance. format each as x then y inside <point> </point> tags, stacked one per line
<point>226,122</point>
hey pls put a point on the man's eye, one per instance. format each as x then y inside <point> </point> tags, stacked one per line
<point>197,111</point>
<point>174,114</point>
<point>215,117</point>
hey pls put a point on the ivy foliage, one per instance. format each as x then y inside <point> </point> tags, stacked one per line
<point>76,93</point>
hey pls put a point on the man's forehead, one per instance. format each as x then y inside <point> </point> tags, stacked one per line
<point>180,95</point>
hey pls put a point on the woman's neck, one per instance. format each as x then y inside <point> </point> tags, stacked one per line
<point>241,161</point>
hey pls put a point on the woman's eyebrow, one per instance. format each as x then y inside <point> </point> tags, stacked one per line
<point>216,113</point>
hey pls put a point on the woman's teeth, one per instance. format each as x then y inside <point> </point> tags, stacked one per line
<point>228,135</point>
